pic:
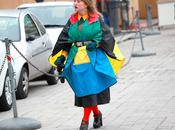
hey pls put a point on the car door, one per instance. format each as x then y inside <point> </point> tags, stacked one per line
<point>37,47</point>
<point>48,43</point>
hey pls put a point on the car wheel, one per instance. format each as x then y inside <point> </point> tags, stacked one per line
<point>50,79</point>
<point>6,97</point>
<point>23,84</point>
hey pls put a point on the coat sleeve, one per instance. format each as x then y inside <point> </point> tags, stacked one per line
<point>62,42</point>
<point>107,42</point>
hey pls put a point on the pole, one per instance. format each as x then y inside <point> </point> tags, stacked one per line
<point>139,29</point>
<point>11,76</point>
<point>16,123</point>
<point>149,16</point>
<point>150,30</point>
<point>143,52</point>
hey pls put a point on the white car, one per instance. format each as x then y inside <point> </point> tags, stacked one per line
<point>53,15</point>
<point>30,38</point>
<point>5,98</point>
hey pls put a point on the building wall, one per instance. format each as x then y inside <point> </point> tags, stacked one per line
<point>140,5</point>
<point>8,4</point>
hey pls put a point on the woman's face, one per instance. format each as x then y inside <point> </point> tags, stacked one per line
<point>79,5</point>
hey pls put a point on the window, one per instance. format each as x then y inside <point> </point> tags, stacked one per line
<point>30,27</point>
<point>53,15</point>
<point>41,27</point>
<point>9,28</point>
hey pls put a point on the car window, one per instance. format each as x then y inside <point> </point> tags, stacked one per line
<point>30,27</point>
<point>40,26</point>
<point>9,28</point>
<point>53,15</point>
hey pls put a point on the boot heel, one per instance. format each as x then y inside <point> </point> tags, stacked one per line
<point>98,121</point>
<point>101,122</point>
<point>84,125</point>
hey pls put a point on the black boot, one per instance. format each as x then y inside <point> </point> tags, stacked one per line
<point>84,125</point>
<point>98,121</point>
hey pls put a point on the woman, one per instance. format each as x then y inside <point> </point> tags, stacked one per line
<point>87,44</point>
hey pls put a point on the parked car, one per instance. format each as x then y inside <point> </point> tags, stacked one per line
<point>5,98</point>
<point>30,38</point>
<point>53,15</point>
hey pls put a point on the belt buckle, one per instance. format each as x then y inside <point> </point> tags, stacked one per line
<point>79,44</point>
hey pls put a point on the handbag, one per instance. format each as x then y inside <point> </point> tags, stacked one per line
<point>52,59</point>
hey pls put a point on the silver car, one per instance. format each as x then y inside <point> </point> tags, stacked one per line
<point>30,38</point>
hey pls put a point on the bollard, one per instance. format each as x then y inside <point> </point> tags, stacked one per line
<point>16,123</point>
<point>143,52</point>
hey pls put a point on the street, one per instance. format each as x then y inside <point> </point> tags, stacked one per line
<point>143,99</point>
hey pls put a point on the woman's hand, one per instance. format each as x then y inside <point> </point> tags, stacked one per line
<point>60,63</point>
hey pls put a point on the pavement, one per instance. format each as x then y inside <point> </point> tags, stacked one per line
<point>143,98</point>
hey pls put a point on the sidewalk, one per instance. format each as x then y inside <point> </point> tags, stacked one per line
<point>143,99</point>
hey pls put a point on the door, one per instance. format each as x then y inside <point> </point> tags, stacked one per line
<point>36,46</point>
<point>47,42</point>
<point>166,13</point>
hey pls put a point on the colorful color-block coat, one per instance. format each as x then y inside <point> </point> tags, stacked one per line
<point>93,77</point>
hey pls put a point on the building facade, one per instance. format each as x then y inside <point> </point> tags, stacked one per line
<point>124,10</point>
<point>133,5</point>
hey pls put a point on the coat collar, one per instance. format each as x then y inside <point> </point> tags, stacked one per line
<point>91,18</point>
<point>84,17</point>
